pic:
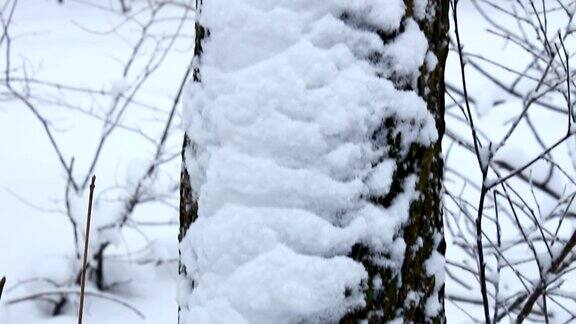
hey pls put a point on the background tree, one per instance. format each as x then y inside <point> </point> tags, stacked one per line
<point>150,36</point>
<point>510,215</point>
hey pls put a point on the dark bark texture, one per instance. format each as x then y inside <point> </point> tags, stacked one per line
<point>423,233</point>
<point>426,218</point>
<point>188,201</point>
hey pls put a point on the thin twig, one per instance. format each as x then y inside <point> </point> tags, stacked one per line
<point>2,283</point>
<point>483,166</point>
<point>65,291</point>
<point>86,241</point>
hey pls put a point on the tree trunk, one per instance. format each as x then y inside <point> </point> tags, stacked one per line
<point>412,288</point>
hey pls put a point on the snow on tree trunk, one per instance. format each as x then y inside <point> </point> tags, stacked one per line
<point>312,168</point>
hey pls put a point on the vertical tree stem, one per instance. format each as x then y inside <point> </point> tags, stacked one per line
<point>2,283</point>
<point>85,259</point>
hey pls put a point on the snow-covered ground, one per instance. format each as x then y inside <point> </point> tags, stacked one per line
<point>36,242</point>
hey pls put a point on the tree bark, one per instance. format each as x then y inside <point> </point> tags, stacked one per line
<point>188,200</point>
<point>426,214</point>
<point>406,294</point>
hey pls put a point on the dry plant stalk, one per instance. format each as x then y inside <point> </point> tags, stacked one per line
<point>2,283</point>
<point>85,259</point>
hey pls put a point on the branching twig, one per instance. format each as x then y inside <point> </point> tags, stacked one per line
<point>60,292</point>
<point>483,164</point>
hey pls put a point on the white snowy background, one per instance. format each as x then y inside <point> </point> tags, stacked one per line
<point>55,42</point>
